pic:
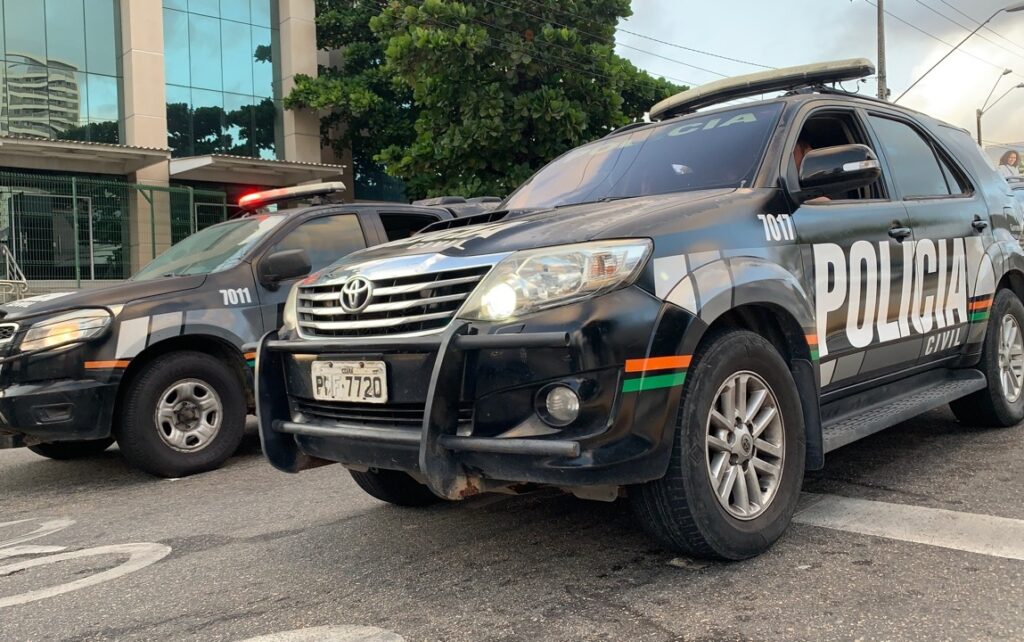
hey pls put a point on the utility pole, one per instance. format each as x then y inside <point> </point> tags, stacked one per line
<point>883,91</point>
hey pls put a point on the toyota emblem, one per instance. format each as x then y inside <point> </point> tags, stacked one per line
<point>356,294</point>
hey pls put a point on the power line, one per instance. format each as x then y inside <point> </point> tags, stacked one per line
<point>969,29</point>
<point>936,38</point>
<point>987,28</point>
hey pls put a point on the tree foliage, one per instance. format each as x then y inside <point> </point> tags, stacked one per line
<point>503,87</point>
<point>365,110</point>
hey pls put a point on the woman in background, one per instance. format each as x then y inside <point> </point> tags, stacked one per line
<point>1008,164</point>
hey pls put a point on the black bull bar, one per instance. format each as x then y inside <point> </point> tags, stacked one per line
<point>437,440</point>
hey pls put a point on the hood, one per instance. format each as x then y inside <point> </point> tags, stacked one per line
<point>521,230</point>
<point>118,294</point>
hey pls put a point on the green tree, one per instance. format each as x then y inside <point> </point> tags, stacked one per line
<point>503,87</point>
<point>366,110</point>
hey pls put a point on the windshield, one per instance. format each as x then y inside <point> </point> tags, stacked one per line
<point>213,249</point>
<point>700,151</point>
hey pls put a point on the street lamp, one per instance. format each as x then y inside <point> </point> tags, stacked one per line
<point>1018,6</point>
<point>981,112</point>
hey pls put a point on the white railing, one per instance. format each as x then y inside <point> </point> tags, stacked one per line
<point>13,284</point>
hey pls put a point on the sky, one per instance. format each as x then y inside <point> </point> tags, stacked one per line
<point>780,33</point>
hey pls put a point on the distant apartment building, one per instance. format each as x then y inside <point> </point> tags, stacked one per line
<point>126,124</point>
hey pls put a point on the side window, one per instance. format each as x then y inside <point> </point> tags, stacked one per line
<point>325,239</point>
<point>914,165</point>
<point>829,128</point>
<point>402,226</point>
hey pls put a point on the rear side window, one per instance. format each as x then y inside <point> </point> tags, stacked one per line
<point>402,226</point>
<point>914,165</point>
<point>325,239</point>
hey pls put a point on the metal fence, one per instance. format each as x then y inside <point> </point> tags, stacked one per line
<point>65,232</point>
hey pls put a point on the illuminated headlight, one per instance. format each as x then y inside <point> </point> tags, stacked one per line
<point>533,280</point>
<point>79,325</point>
<point>290,318</point>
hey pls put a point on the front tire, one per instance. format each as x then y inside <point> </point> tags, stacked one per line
<point>394,487</point>
<point>737,463</point>
<point>65,450</point>
<point>1001,404</point>
<point>183,413</point>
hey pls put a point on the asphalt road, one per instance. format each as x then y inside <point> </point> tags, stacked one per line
<point>254,552</point>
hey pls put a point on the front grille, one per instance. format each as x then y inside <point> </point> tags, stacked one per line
<point>7,331</point>
<point>406,415</point>
<point>403,305</point>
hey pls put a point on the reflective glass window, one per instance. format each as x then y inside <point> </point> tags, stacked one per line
<point>238,124</point>
<point>207,121</point>
<point>237,10</point>
<point>204,52</point>
<point>325,239</point>
<point>266,123</point>
<point>260,12</point>
<point>102,37</point>
<point>181,5</point>
<point>28,100</point>
<point>205,7</point>
<point>65,33</point>
<point>263,50</point>
<point>238,60</point>
<point>176,60</point>
<point>102,96</point>
<point>912,160</point>
<point>179,120</point>
<point>25,29</point>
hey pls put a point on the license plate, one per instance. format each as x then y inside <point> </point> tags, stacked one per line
<point>351,381</point>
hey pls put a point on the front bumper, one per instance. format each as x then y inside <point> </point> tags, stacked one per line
<point>57,410</point>
<point>494,374</point>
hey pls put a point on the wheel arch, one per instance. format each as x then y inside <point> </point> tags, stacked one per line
<point>205,343</point>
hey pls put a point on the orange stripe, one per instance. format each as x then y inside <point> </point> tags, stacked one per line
<point>979,305</point>
<point>812,339</point>
<point>249,355</point>
<point>106,365</point>
<point>657,363</point>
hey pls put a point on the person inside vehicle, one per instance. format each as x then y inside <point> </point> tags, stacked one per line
<point>801,149</point>
<point>1009,164</point>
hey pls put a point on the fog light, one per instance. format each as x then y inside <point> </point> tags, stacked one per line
<point>562,405</point>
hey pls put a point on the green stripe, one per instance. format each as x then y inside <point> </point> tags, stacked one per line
<point>814,354</point>
<point>979,316</point>
<point>652,383</point>
<point>252,363</point>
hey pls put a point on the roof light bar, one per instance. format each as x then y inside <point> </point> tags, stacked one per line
<point>258,199</point>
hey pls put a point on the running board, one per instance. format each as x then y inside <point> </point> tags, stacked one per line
<point>847,420</point>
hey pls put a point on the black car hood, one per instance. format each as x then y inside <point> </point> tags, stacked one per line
<point>521,230</point>
<point>118,294</point>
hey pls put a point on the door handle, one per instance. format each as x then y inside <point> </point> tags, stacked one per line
<point>978,224</point>
<point>899,233</point>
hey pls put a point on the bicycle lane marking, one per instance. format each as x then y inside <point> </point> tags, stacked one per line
<point>140,555</point>
<point>45,528</point>
<point>969,532</point>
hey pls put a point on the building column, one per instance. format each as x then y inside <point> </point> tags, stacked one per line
<point>145,124</point>
<point>300,133</point>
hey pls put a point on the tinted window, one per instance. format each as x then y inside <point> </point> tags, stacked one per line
<point>700,151</point>
<point>912,160</point>
<point>325,239</point>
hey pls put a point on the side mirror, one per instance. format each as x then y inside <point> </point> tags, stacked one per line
<point>833,170</point>
<point>283,265</point>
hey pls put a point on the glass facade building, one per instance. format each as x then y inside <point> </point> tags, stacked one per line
<point>60,75</point>
<point>219,58</point>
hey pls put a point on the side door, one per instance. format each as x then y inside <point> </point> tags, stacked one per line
<point>855,246</point>
<point>326,239</point>
<point>942,205</point>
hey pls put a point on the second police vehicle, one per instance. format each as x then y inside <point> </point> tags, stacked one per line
<point>690,312</point>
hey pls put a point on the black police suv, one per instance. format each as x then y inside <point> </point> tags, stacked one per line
<point>690,312</point>
<point>157,363</point>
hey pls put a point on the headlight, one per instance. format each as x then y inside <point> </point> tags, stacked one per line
<point>79,325</point>
<point>533,280</point>
<point>290,318</point>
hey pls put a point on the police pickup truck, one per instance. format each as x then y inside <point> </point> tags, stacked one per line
<point>690,312</point>
<point>157,363</point>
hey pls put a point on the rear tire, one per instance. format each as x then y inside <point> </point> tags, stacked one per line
<point>740,420</point>
<point>394,487</point>
<point>1001,404</point>
<point>64,450</point>
<point>183,413</point>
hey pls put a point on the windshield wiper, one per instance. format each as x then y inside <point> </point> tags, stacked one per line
<point>606,199</point>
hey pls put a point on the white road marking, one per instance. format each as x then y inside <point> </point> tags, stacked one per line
<point>17,551</point>
<point>139,556</point>
<point>971,532</point>
<point>343,633</point>
<point>45,528</point>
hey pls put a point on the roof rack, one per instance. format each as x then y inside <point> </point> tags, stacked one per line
<point>788,78</point>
